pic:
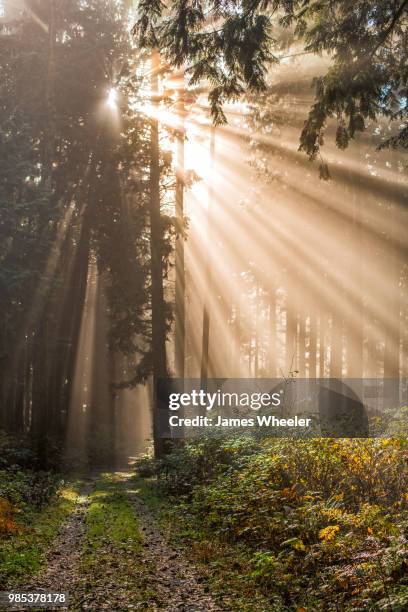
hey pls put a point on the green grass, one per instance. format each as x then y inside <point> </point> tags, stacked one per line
<point>149,491</point>
<point>23,554</point>
<point>112,556</point>
<point>111,518</point>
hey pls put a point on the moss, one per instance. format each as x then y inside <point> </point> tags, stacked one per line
<point>110,516</point>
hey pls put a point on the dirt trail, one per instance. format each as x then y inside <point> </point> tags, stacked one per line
<point>61,572</point>
<point>157,578</point>
<point>175,582</point>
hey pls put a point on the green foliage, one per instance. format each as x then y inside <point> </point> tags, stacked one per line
<point>24,553</point>
<point>231,44</point>
<point>200,462</point>
<point>146,466</point>
<point>15,450</point>
<point>33,503</point>
<point>28,487</point>
<point>20,484</point>
<point>318,524</point>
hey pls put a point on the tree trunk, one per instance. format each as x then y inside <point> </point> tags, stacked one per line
<point>50,128</point>
<point>290,349</point>
<point>312,345</point>
<point>336,346</point>
<point>272,333</point>
<point>236,371</point>
<point>180,323</point>
<point>205,344</point>
<point>357,313</point>
<point>322,344</point>
<point>156,259</point>
<point>392,327</point>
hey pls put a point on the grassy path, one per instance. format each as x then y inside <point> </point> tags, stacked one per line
<point>112,573</point>
<point>50,549</point>
<point>110,555</point>
<point>64,557</point>
<point>126,563</point>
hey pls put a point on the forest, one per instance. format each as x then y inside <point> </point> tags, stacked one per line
<point>209,191</point>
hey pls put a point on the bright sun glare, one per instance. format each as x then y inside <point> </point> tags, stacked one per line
<point>112,98</point>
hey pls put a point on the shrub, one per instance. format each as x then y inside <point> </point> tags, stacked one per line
<point>146,466</point>
<point>203,460</point>
<point>324,521</point>
<point>15,451</point>
<point>28,487</point>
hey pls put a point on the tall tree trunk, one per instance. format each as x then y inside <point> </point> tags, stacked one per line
<point>392,327</point>
<point>322,343</point>
<point>312,344</point>
<point>336,346</point>
<point>256,332</point>
<point>40,395</point>
<point>357,313</point>
<point>40,404</point>
<point>205,344</point>
<point>156,258</point>
<point>236,371</point>
<point>290,343</point>
<point>50,127</point>
<point>272,332</point>
<point>180,323</point>
<point>302,345</point>
<point>404,342</point>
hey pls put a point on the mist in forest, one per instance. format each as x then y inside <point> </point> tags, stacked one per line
<point>139,240</point>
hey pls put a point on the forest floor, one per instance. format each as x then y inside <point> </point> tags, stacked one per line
<point>228,525</point>
<point>110,554</point>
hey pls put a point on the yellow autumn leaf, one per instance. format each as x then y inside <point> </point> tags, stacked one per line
<point>328,534</point>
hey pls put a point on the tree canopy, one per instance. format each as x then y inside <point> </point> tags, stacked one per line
<point>232,43</point>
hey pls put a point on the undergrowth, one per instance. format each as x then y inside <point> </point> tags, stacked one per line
<point>309,525</point>
<point>33,504</point>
